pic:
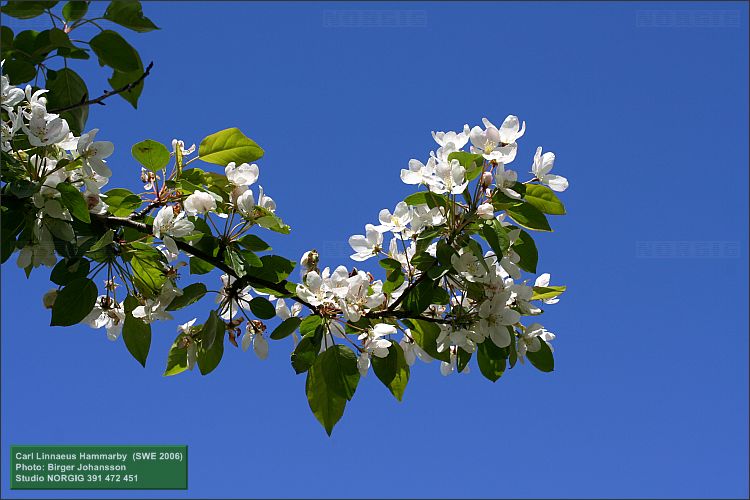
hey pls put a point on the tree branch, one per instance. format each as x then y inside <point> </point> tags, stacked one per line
<point>125,88</point>
<point>241,281</point>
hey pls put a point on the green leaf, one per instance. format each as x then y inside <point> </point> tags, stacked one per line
<point>394,277</point>
<point>306,352</point>
<point>309,324</point>
<point>541,359</point>
<point>74,201</point>
<point>66,270</point>
<point>262,308</point>
<point>67,89</point>
<point>253,243</point>
<point>419,298</point>
<point>6,39</point>
<point>120,80</point>
<point>23,9</point>
<point>274,268</point>
<point>274,223</point>
<point>529,217</point>
<point>525,247</point>
<point>473,163</point>
<point>74,302</point>
<point>200,266</point>
<point>129,14</point>
<point>209,355</point>
<point>136,333</point>
<point>389,264</point>
<point>331,381</point>
<point>151,154</point>
<point>229,145</point>
<point>425,334</point>
<point>23,188</point>
<point>177,358</point>
<point>393,370</point>
<point>432,200</point>
<point>544,199</point>
<point>286,328</point>
<point>497,237</point>
<point>103,242</point>
<point>122,202</point>
<point>491,360</point>
<point>148,272</point>
<point>547,292</point>
<point>213,327</point>
<point>115,52</point>
<point>75,53</point>
<point>190,294</point>
<point>19,71</point>
<point>75,10</point>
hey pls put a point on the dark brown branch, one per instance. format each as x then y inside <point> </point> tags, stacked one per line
<point>253,281</point>
<point>107,93</point>
<point>241,281</point>
<point>142,213</point>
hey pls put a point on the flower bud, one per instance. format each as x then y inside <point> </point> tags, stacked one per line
<point>49,299</point>
<point>486,179</point>
<point>310,260</point>
<point>486,211</point>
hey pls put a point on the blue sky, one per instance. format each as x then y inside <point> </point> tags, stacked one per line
<point>649,122</point>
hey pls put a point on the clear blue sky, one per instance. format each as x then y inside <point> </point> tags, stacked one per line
<point>650,124</point>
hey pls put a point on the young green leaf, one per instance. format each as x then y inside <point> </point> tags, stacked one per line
<point>229,145</point>
<point>547,292</point>
<point>177,359</point>
<point>122,202</point>
<point>544,199</point>
<point>151,154</point>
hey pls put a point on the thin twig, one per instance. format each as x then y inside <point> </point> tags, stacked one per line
<point>107,93</point>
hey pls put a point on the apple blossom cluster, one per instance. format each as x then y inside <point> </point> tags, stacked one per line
<point>492,310</point>
<point>56,162</point>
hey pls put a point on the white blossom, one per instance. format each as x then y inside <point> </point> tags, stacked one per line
<point>200,202</point>
<point>369,245</point>
<point>541,167</point>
